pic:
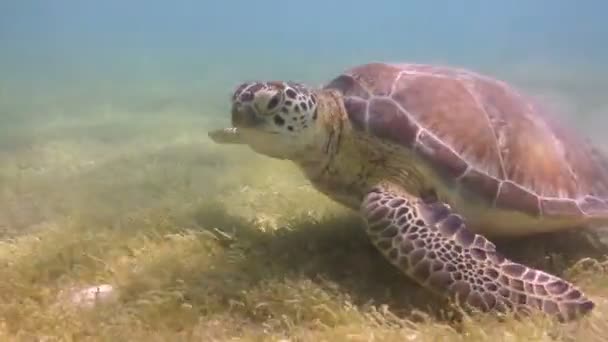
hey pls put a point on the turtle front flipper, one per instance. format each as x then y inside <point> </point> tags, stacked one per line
<point>432,245</point>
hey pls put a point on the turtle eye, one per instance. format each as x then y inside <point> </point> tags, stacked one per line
<point>274,102</point>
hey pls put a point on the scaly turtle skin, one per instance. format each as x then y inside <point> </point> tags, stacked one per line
<point>437,160</point>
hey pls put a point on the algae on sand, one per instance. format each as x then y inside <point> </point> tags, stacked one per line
<point>203,248</point>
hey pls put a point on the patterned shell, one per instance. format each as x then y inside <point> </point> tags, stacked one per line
<point>481,133</point>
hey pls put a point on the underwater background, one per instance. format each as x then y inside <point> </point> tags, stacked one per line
<point>124,53</point>
<point>107,175</point>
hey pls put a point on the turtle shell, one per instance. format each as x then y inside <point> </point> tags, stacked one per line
<point>481,133</point>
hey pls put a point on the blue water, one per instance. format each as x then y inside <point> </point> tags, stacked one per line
<point>202,49</point>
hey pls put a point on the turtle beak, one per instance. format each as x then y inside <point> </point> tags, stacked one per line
<point>228,135</point>
<point>245,116</point>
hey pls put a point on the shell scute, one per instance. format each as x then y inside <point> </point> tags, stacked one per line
<point>591,205</point>
<point>557,207</point>
<point>387,121</point>
<point>376,77</point>
<point>525,141</point>
<point>481,133</point>
<point>440,156</point>
<point>513,196</point>
<point>481,183</point>
<point>446,107</point>
<point>349,87</point>
<point>357,112</point>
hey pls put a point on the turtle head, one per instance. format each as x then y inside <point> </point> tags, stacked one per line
<point>277,119</point>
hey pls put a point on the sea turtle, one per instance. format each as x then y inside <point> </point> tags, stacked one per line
<point>437,160</point>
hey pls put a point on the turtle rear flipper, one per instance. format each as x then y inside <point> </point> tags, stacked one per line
<point>433,246</point>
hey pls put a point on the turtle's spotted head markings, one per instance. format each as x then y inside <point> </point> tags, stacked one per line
<point>278,117</point>
<point>277,107</point>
